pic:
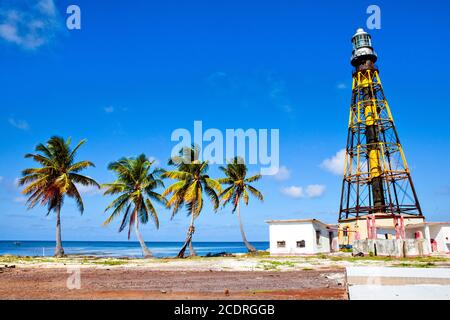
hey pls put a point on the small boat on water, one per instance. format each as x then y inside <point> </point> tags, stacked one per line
<point>17,243</point>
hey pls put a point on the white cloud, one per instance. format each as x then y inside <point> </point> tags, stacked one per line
<point>293,192</point>
<point>46,7</point>
<point>283,174</point>
<point>341,86</point>
<point>311,191</point>
<point>335,164</point>
<point>109,109</point>
<point>29,26</point>
<point>216,77</point>
<point>19,124</point>
<point>278,93</point>
<point>287,108</point>
<point>315,190</point>
<point>88,190</point>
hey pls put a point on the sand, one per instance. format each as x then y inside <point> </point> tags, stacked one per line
<point>140,283</point>
<point>238,278</point>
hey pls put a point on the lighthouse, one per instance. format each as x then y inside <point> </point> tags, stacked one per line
<point>377,187</point>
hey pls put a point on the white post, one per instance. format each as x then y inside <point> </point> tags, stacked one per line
<point>427,237</point>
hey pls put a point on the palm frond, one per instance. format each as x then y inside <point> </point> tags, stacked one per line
<point>177,175</point>
<point>213,184</point>
<point>255,192</point>
<point>253,178</point>
<point>75,194</point>
<point>153,213</point>
<point>77,167</point>
<point>174,188</point>
<point>118,205</point>
<point>83,180</point>
<point>74,151</point>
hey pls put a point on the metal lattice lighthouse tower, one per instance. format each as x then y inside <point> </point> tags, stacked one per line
<point>377,182</point>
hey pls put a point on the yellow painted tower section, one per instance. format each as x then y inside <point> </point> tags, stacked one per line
<point>377,182</point>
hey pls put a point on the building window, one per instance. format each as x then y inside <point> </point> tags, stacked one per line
<point>281,244</point>
<point>301,244</point>
<point>345,232</point>
<point>318,237</point>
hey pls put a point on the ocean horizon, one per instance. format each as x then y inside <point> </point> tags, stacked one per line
<point>116,249</point>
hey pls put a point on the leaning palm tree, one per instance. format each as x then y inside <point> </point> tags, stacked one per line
<point>56,178</point>
<point>193,180</point>
<point>238,187</point>
<point>136,184</point>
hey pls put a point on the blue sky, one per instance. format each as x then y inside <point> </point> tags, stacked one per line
<point>138,70</point>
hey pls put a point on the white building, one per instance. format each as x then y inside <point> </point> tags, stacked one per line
<point>437,234</point>
<point>298,237</point>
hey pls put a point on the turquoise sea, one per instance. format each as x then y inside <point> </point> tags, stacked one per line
<point>119,249</point>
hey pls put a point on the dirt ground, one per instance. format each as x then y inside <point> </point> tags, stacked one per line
<point>139,283</point>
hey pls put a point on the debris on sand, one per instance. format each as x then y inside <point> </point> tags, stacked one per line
<point>220,254</point>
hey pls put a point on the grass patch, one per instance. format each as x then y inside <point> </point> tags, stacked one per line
<point>274,265</point>
<point>415,265</point>
<point>110,262</point>
<point>257,254</point>
<point>268,291</point>
<point>16,259</point>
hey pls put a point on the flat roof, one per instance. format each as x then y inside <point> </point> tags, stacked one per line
<point>300,221</point>
<point>422,224</point>
<point>381,216</point>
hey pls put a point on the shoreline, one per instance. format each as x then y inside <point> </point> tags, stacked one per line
<point>261,261</point>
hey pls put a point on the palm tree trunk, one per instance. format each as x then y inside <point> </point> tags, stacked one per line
<point>147,253</point>
<point>192,252</point>
<point>188,241</point>
<point>59,251</point>
<point>249,246</point>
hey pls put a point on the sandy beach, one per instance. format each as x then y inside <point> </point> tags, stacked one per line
<point>238,278</point>
<point>126,283</point>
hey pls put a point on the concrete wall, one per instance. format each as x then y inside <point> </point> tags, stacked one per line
<point>394,247</point>
<point>360,225</point>
<point>438,232</point>
<point>291,232</point>
<point>441,233</point>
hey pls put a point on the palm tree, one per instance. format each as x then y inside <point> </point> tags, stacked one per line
<point>238,187</point>
<point>56,178</point>
<point>193,180</point>
<point>135,184</point>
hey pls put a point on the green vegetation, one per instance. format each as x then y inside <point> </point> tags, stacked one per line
<point>257,254</point>
<point>239,188</point>
<point>7,259</point>
<point>274,265</point>
<point>415,265</point>
<point>268,291</point>
<point>56,178</point>
<point>262,261</point>
<point>135,184</point>
<point>111,262</point>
